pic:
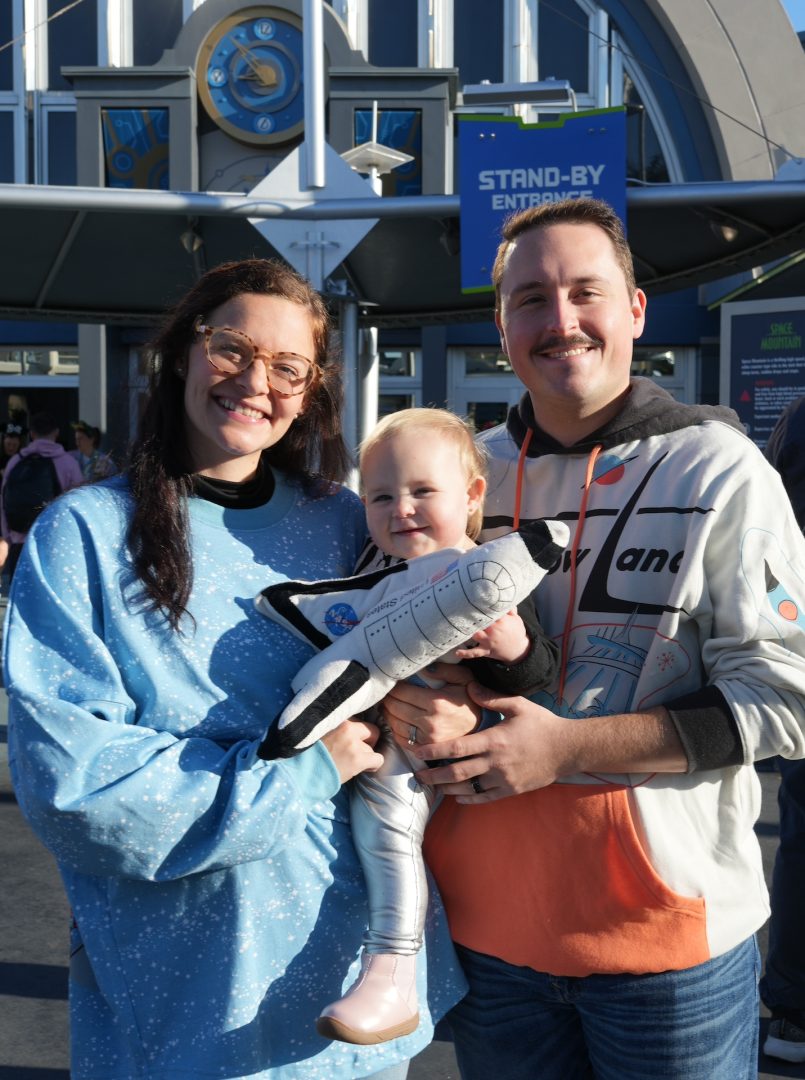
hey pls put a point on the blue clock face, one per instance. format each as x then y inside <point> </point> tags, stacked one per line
<point>249,75</point>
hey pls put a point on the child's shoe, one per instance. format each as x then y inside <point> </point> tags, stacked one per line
<point>380,1005</point>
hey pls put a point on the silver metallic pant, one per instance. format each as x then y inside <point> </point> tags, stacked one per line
<point>389,812</point>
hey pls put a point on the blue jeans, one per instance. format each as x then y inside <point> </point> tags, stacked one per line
<point>783,985</point>
<point>698,1024</point>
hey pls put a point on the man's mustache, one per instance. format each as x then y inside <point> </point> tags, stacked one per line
<point>576,341</point>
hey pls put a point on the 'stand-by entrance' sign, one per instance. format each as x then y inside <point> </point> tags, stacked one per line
<point>508,166</point>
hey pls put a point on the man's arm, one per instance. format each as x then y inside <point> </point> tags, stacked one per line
<point>786,452</point>
<point>750,622</point>
<point>68,472</point>
<point>532,747</point>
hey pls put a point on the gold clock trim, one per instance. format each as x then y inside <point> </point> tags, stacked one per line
<point>208,45</point>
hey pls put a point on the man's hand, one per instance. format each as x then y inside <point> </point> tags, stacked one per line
<point>528,749</point>
<point>418,714</point>
<point>532,747</point>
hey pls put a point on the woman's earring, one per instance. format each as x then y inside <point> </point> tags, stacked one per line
<point>180,371</point>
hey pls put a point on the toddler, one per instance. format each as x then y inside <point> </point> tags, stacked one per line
<point>422,477</point>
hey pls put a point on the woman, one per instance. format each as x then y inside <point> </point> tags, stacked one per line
<point>13,436</point>
<point>216,896</point>
<point>94,464</point>
<point>13,440</point>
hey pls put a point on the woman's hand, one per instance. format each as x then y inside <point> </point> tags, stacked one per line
<point>418,714</point>
<point>351,748</point>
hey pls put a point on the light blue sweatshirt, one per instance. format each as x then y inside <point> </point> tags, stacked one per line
<point>218,900</point>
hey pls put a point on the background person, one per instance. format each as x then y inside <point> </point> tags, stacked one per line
<point>94,464</point>
<point>218,899</point>
<point>606,885</point>
<point>783,984</point>
<point>13,436</point>
<point>45,470</point>
<point>13,440</point>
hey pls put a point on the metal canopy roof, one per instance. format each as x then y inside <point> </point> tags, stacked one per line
<point>785,277</point>
<point>109,255</point>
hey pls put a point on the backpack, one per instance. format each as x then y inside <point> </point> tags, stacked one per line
<point>31,484</point>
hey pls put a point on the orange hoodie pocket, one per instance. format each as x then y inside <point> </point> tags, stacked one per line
<point>557,880</point>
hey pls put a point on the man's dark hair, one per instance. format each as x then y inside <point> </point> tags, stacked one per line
<point>42,425</point>
<point>570,212</point>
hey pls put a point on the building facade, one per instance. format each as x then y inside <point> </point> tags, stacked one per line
<point>135,93</point>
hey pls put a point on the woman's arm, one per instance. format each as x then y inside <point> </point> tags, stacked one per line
<point>118,781</point>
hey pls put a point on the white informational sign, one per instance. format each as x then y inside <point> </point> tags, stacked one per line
<point>762,360</point>
<point>313,248</point>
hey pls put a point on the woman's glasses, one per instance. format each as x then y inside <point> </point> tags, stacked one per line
<point>230,352</point>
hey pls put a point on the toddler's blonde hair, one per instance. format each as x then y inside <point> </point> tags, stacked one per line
<point>439,422</point>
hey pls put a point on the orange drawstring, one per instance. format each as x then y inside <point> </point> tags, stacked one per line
<point>518,493</point>
<point>518,499</point>
<point>571,604</point>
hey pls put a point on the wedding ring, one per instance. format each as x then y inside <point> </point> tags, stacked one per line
<point>412,736</point>
<point>476,786</point>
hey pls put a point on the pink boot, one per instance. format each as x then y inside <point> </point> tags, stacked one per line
<point>380,1005</point>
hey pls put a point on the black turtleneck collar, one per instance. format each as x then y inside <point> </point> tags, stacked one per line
<point>245,495</point>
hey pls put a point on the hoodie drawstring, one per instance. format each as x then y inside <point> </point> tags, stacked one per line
<point>518,491</point>
<point>518,499</point>
<point>571,603</point>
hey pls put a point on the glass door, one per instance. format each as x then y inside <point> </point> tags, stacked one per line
<point>482,386</point>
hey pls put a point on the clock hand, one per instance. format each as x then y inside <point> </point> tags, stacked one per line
<point>246,54</point>
<point>264,73</point>
<point>266,77</point>
<point>267,74</point>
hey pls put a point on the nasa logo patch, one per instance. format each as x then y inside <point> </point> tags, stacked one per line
<point>340,619</point>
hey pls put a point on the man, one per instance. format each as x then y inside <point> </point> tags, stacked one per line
<point>598,864</point>
<point>48,470</point>
<point>783,984</point>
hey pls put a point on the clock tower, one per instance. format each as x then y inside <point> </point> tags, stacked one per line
<point>249,76</point>
<point>221,109</point>
<point>218,113</point>
<point>249,83</point>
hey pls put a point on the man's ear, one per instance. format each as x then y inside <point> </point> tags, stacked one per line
<point>499,325</point>
<point>638,313</point>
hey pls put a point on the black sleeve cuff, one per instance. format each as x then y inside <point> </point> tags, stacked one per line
<point>537,670</point>
<point>707,730</point>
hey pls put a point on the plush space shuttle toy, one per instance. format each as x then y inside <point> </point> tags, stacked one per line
<point>377,628</point>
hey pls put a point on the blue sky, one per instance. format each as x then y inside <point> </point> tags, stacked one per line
<point>796,12</point>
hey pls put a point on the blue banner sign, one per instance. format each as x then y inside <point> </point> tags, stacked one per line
<point>506,166</point>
